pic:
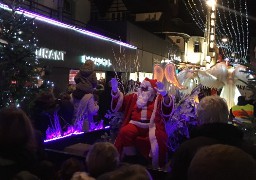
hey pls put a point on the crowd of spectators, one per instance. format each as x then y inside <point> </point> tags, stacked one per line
<point>215,150</point>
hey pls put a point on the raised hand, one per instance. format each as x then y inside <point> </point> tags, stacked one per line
<point>114,84</point>
<point>160,88</point>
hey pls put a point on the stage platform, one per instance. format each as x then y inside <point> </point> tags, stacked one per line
<point>77,146</point>
<point>86,138</point>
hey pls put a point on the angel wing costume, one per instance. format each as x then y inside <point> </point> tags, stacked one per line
<point>169,72</point>
<point>219,76</point>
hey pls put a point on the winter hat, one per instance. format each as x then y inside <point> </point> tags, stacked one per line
<point>222,162</point>
<point>87,66</point>
<point>45,100</point>
<point>149,83</point>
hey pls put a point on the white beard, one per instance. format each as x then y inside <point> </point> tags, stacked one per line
<point>144,97</point>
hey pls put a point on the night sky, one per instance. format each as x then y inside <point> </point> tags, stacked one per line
<point>251,4</point>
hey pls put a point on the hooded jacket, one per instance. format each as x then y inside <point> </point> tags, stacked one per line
<point>208,134</point>
<point>85,80</point>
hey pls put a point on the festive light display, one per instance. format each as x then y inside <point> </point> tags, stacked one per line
<point>18,63</point>
<point>67,26</point>
<point>231,22</point>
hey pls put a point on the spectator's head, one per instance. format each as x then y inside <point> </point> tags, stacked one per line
<point>25,175</point>
<point>88,73</point>
<point>128,172</point>
<point>45,101</point>
<point>64,96</point>
<point>212,109</point>
<point>16,130</point>
<point>241,101</point>
<point>69,167</point>
<point>88,66</point>
<point>102,157</point>
<point>81,176</point>
<point>222,162</point>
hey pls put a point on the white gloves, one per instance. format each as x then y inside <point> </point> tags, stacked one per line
<point>114,84</point>
<point>160,88</point>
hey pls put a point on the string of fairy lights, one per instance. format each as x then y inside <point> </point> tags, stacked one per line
<point>231,23</point>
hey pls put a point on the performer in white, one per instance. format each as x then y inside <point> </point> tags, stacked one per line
<point>219,76</point>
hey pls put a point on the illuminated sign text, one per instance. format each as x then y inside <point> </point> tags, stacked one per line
<point>51,54</point>
<point>97,61</point>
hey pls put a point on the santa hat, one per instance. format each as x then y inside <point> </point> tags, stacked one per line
<point>149,82</point>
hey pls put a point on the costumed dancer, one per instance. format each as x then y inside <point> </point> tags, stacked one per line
<point>145,113</point>
<point>85,106</point>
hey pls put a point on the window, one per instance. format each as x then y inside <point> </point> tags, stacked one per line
<point>118,16</point>
<point>196,47</point>
<point>113,16</point>
<point>67,6</point>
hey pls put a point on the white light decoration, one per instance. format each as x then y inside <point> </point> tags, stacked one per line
<point>140,76</point>
<point>100,75</point>
<point>50,54</point>
<point>67,26</point>
<point>211,3</point>
<point>173,57</point>
<point>231,22</point>
<point>97,60</point>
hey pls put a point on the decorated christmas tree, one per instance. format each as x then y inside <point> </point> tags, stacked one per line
<point>18,63</point>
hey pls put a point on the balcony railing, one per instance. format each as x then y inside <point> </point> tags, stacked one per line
<point>63,16</point>
<point>60,14</point>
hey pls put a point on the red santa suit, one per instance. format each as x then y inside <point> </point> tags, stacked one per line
<point>148,121</point>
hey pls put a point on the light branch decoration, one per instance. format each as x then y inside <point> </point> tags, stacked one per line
<point>125,65</point>
<point>231,22</point>
<point>182,119</point>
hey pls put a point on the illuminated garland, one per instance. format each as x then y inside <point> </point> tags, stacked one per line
<point>189,7</point>
<point>231,22</point>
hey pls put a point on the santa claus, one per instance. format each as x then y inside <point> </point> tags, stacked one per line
<point>143,128</point>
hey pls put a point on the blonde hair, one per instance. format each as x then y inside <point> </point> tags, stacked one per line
<point>212,109</point>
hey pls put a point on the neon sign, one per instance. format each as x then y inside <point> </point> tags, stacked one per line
<point>67,26</point>
<point>51,54</point>
<point>97,60</point>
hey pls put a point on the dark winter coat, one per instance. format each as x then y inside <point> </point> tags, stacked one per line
<point>13,161</point>
<point>208,134</point>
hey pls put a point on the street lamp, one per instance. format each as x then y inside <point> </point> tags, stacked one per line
<point>210,30</point>
<point>211,3</point>
<point>223,48</point>
<point>224,39</point>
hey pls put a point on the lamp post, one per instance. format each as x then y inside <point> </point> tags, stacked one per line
<point>210,31</point>
<point>223,48</point>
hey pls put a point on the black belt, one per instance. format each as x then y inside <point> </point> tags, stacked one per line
<point>144,121</point>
